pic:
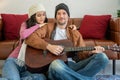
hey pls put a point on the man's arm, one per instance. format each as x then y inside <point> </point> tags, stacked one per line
<point>36,39</point>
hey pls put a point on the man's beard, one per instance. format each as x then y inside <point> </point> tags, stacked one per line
<point>61,23</point>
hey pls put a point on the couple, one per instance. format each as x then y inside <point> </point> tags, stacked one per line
<point>33,32</point>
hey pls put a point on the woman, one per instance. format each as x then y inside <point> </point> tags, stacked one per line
<point>14,69</point>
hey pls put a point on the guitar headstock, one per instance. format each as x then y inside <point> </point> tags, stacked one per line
<point>114,47</point>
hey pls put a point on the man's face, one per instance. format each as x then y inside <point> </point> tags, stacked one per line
<point>62,17</point>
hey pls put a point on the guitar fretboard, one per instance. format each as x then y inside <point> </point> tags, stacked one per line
<point>69,49</point>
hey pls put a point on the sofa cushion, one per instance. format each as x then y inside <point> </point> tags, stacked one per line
<point>94,26</point>
<point>12,23</point>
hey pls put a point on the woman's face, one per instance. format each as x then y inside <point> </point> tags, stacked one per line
<point>40,17</point>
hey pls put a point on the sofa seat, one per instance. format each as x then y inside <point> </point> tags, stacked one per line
<point>95,42</point>
<point>111,54</point>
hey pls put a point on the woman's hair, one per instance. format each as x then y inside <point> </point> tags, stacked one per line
<point>32,21</point>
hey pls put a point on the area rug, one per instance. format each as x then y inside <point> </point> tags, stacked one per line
<point>107,77</point>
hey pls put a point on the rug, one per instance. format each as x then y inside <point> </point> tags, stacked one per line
<point>98,77</point>
<point>107,77</point>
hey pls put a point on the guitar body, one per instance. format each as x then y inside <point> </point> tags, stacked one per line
<point>38,61</point>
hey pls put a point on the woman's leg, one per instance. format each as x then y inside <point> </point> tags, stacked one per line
<point>11,69</point>
<point>58,70</point>
<point>91,66</point>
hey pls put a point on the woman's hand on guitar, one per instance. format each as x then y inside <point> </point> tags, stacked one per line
<point>55,49</point>
<point>98,49</point>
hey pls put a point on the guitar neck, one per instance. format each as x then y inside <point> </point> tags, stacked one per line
<point>90,48</point>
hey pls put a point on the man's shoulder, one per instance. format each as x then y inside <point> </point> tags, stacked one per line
<point>50,24</point>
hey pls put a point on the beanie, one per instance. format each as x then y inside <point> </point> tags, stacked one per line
<point>62,6</point>
<point>35,8</point>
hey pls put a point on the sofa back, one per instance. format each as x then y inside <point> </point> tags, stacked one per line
<point>112,31</point>
<point>75,21</point>
<point>115,29</point>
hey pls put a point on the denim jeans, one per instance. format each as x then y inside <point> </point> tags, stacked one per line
<point>82,70</point>
<point>3,79</point>
<point>12,71</point>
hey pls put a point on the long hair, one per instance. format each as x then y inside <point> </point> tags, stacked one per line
<point>32,21</point>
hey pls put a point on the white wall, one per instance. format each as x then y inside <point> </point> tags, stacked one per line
<point>78,8</point>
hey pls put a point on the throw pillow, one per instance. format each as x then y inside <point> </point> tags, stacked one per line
<point>94,26</point>
<point>12,23</point>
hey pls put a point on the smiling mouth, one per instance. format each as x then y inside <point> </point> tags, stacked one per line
<point>61,19</point>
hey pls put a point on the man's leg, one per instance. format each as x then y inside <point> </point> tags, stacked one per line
<point>91,66</point>
<point>58,70</point>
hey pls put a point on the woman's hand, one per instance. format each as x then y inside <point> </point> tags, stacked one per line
<point>73,27</point>
<point>98,49</point>
<point>55,49</point>
<point>40,25</point>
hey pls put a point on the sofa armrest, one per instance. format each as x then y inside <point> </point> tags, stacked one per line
<point>115,30</point>
<point>6,48</point>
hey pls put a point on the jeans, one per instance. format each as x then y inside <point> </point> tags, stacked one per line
<point>82,70</point>
<point>3,79</point>
<point>12,71</point>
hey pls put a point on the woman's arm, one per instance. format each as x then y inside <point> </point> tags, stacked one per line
<point>36,39</point>
<point>24,33</point>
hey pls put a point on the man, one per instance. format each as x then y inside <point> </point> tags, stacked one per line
<point>58,70</point>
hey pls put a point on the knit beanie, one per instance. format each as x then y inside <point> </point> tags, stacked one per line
<point>35,8</point>
<point>62,6</point>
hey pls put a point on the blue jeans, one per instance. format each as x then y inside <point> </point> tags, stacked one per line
<point>12,71</point>
<point>83,70</point>
<point>3,79</point>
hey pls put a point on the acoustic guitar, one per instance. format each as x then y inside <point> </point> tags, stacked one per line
<point>38,60</point>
